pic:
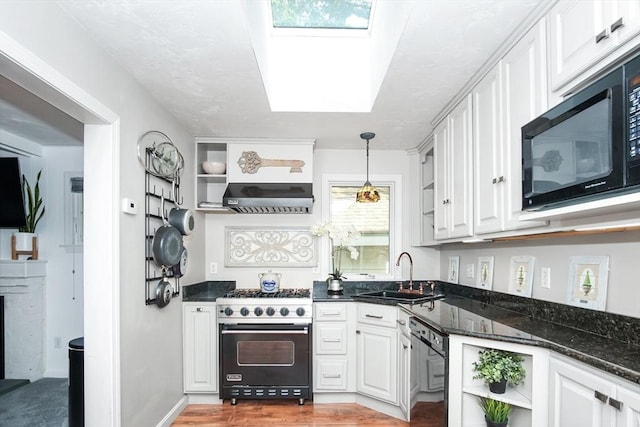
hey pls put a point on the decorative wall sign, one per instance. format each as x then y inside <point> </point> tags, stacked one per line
<point>250,162</point>
<point>521,275</point>
<point>588,276</point>
<point>270,247</point>
<point>454,267</point>
<point>485,272</point>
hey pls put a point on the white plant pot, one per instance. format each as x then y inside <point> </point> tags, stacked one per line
<point>24,241</point>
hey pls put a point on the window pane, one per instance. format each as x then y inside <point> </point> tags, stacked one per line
<point>330,14</point>
<point>371,220</point>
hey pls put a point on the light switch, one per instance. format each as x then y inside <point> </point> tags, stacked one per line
<point>545,277</point>
<point>470,268</point>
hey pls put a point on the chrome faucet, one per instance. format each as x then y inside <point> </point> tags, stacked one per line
<point>410,269</point>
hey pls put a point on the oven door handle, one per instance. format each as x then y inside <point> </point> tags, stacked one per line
<point>304,331</point>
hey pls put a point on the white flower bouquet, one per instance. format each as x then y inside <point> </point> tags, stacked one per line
<point>340,238</point>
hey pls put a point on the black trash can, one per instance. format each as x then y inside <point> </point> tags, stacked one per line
<point>76,382</point>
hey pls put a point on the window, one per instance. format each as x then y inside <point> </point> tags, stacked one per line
<point>376,223</point>
<point>326,14</point>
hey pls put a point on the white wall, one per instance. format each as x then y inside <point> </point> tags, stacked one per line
<point>623,250</point>
<point>382,162</point>
<point>150,356</point>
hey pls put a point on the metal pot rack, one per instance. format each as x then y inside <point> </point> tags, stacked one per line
<point>157,188</point>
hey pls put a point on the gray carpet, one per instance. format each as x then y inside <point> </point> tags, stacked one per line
<point>41,403</point>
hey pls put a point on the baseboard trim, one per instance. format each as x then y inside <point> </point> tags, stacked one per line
<point>174,412</point>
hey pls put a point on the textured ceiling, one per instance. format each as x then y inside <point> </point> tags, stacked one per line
<point>195,57</point>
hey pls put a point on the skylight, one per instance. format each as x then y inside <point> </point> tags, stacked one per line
<point>321,14</point>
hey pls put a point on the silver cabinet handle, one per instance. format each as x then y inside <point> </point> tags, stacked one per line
<point>199,309</point>
<point>404,346</point>
<point>501,178</point>
<point>617,25</point>
<point>373,316</point>
<point>331,340</point>
<point>615,403</point>
<point>330,313</point>
<point>494,181</point>
<point>401,322</point>
<point>600,396</point>
<point>331,376</point>
<point>601,36</point>
<point>357,332</point>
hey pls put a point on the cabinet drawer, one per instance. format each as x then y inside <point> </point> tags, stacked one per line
<point>331,374</point>
<point>331,338</point>
<point>330,311</point>
<point>381,315</point>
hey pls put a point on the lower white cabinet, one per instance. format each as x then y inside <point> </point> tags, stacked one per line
<point>581,396</point>
<point>377,352</point>
<point>404,374</point>
<point>200,347</point>
<point>334,347</point>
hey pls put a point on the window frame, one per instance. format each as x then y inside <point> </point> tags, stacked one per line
<point>395,219</point>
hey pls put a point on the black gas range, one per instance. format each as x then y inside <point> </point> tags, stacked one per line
<point>254,306</point>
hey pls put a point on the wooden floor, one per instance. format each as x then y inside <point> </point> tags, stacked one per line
<point>289,413</point>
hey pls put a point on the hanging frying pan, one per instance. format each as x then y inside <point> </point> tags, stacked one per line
<point>167,243</point>
<point>163,292</point>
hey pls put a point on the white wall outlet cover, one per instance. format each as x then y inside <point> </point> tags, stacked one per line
<point>545,277</point>
<point>213,268</point>
<point>470,271</point>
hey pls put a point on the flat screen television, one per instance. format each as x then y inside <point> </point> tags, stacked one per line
<point>12,213</point>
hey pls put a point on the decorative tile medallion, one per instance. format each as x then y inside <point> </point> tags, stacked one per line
<point>270,247</point>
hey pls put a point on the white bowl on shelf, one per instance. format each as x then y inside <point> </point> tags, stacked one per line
<point>214,168</point>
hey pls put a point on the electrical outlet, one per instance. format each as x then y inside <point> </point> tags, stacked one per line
<point>545,277</point>
<point>470,271</point>
<point>213,268</point>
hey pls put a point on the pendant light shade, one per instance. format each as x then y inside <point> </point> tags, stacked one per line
<point>367,193</point>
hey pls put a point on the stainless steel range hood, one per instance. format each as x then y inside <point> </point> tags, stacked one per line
<point>269,198</point>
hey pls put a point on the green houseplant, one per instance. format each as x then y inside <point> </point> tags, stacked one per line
<point>496,413</point>
<point>33,202</point>
<point>499,368</point>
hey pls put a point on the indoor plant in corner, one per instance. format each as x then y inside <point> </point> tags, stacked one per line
<point>496,413</point>
<point>499,368</point>
<point>34,210</point>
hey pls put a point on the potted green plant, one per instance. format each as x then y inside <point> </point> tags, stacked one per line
<point>496,413</point>
<point>34,210</point>
<point>498,368</point>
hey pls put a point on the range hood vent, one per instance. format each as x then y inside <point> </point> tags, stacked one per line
<point>269,198</point>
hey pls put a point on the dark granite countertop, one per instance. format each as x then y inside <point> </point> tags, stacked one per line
<point>206,291</point>
<point>462,315</point>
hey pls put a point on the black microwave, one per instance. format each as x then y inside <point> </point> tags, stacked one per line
<point>586,147</point>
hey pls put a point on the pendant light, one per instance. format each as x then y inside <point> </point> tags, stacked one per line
<point>367,193</point>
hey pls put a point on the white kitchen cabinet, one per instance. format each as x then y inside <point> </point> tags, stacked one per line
<point>404,374</point>
<point>509,96</point>
<point>585,35</point>
<point>377,352</point>
<point>453,190</point>
<point>334,348</point>
<point>200,347</point>
<point>528,400</point>
<point>581,396</point>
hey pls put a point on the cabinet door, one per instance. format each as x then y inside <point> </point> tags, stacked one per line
<point>331,374</point>
<point>404,372</point>
<point>524,97</point>
<point>331,338</point>
<point>573,26</point>
<point>200,350</point>
<point>629,414</point>
<point>377,362</point>
<point>487,138</point>
<point>577,397</point>
<point>442,178</point>
<point>461,167</point>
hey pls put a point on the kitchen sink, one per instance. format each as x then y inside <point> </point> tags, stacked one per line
<point>401,296</point>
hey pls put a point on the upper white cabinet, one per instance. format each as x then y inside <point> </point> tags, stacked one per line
<point>510,95</point>
<point>453,198</point>
<point>580,396</point>
<point>584,34</point>
<point>210,187</point>
<point>427,182</point>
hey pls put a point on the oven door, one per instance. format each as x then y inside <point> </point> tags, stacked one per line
<point>265,361</point>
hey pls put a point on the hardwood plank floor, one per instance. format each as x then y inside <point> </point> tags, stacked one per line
<point>289,413</point>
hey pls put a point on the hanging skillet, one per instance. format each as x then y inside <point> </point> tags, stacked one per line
<point>167,243</point>
<point>163,292</point>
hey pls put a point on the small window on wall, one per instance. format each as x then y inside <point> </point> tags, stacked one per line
<point>375,223</point>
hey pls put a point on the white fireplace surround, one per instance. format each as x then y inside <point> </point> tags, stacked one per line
<point>22,285</point>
